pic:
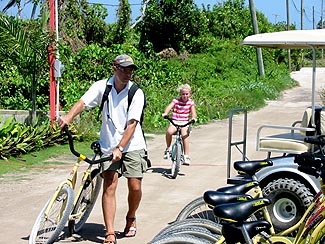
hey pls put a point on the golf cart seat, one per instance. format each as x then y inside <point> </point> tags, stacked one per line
<point>290,139</point>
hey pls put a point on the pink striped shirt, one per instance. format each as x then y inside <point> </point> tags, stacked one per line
<point>182,110</point>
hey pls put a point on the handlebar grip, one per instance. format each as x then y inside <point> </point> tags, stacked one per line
<point>308,170</point>
<point>309,159</point>
<point>319,140</point>
<point>70,139</point>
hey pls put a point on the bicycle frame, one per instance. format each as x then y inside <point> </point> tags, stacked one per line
<point>86,176</point>
<point>71,182</point>
<point>179,141</point>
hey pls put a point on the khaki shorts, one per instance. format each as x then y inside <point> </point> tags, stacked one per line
<point>132,165</point>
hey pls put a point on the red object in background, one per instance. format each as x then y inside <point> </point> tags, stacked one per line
<point>51,52</point>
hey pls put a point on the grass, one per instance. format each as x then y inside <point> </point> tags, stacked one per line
<point>56,155</point>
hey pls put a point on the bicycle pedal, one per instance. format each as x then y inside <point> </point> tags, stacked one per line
<point>77,237</point>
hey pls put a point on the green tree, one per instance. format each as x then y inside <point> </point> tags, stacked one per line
<point>24,45</point>
<point>170,23</point>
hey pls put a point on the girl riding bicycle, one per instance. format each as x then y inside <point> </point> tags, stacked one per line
<point>182,107</point>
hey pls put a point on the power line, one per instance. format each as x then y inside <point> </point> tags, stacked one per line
<point>114,5</point>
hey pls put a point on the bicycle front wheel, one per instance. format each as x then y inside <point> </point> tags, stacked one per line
<point>53,217</point>
<point>180,239</point>
<point>86,201</point>
<point>176,159</point>
<point>197,208</point>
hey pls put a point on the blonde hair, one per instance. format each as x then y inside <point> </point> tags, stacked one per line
<point>183,87</point>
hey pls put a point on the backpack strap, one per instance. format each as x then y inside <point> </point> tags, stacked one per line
<point>131,93</point>
<point>104,98</point>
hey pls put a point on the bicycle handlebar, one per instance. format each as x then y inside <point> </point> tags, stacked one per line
<point>83,157</point>
<point>317,140</point>
<point>192,121</point>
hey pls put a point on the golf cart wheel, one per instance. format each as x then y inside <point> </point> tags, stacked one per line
<point>289,200</point>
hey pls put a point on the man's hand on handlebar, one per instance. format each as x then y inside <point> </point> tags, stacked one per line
<point>62,122</point>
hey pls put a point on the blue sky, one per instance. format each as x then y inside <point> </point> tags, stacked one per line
<point>274,10</point>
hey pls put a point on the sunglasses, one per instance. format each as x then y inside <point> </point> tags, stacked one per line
<point>126,70</point>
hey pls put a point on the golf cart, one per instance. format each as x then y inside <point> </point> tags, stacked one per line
<point>289,189</point>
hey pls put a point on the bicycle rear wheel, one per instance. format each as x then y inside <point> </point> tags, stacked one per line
<point>176,159</point>
<point>85,202</point>
<point>49,224</point>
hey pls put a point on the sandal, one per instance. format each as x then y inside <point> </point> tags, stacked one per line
<point>131,228</point>
<point>108,239</point>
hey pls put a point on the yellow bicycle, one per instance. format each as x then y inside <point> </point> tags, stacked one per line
<point>64,206</point>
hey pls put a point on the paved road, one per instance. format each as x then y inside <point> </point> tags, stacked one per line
<point>163,198</point>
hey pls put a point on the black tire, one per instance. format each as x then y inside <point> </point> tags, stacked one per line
<point>197,231</point>
<point>85,202</point>
<point>176,160</point>
<point>180,239</point>
<point>197,208</point>
<point>290,199</point>
<point>48,228</point>
<point>204,223</point>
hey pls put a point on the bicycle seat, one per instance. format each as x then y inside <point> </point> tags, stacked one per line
<point>251,167</point>
<point>233,231</point>
<point>240,188</point>
<point>240,211</point>
<point>213,198</point>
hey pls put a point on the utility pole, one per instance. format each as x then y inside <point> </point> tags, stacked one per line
<point>313,18</point>
<point>302,11</point>
<point>255,28</point>
<point>288,28</point>
<point>322,23</point>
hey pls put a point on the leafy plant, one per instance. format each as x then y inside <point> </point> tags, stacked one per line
<point>17,138</point>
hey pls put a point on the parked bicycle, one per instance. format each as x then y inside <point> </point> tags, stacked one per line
<point>311,227</point>
<point>283,214</point>
<point>236,194</point>
<point>177,149</point>
<point>63,206</point>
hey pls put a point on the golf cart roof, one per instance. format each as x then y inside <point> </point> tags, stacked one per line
<point>288,39</point>
<point>309,39</point>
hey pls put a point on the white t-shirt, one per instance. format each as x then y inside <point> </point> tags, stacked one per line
<point>114,118</point>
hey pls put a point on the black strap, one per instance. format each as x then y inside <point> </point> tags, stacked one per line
<point>104,98</point>
<point>131,93</point>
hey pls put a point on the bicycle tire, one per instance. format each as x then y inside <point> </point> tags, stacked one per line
<point>47,229</point>
<point>176,159</point>
<point>197,208</point>
<point>180,239</point>
<point>205,223</point>
<point>197,231</point>
<point>86,202</point>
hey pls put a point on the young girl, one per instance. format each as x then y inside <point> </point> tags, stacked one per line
<point>182,107</point>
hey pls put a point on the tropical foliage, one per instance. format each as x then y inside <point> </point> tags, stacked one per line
<point>16,138</point>
<point>222,73</point>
